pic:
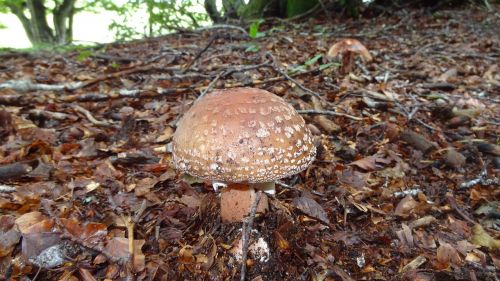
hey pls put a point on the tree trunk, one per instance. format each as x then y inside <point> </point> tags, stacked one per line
<point>63,19</point>
<point>298,7</point>
<point>231,8</point>
<point>19,13</point>
<point>213,13</point>
<point>36,26</point>
<point>41,32</point>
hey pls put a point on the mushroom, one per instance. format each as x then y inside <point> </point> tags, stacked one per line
<point>348,48</point>
<point>245,139</point>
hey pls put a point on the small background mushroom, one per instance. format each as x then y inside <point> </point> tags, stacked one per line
<point>348,48</point>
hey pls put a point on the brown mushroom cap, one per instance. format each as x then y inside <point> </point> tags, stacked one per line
<point>242,135</point>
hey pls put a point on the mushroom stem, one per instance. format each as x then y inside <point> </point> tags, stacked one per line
<point>236,201</point>
<point>347,61</point>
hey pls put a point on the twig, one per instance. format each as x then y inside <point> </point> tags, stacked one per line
<point>223,26</point>
<point>230,71</point>
<point>329,112</point>
<point>27,86</point>
<point>453,204</point>
<point>129,223</point>
<point>480,179</point>
<point>90,117</point>
<point>412,192</point>
<point>282,184</point>
<point>127,59</point>
<point>38,272</point>
<point>210,42</point>
<point>277,69</point>
<point>148,93</point>
<point>211,84</point>
<point>7,188</point>
<point>327,13</point>
<point>247,229</point>
<point>49,114</point>
<point>140,211</point>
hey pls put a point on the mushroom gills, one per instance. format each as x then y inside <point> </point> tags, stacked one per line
<point>267,187</point>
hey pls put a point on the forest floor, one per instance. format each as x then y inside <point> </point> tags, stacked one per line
<point>405,185</point>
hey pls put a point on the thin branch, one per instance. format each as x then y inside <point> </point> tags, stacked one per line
<point>280,71</point>
<point>247,229</point>
<point>210,42</point>
<point>223,26</point>
<point>329,112</point>
<point>210,86</point>
<point>7,188</point>
<point>90,117</point>
<point>27,86</point>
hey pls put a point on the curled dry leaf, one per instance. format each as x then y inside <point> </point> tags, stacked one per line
<point>311,208</point>
<point>91,232</point>
<point>9,236</point>
<point>418,141</point>
<point>372,162</point>
<point>25,221</point>
<point>86,275</point>
<point>405,206</point>
<point>454,159</point>
<point>406,237</point>
<point>447,254</point>
<point>118,248</point>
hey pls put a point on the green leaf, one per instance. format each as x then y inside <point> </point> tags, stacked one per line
<point>296,69</point>
<point>328,65</point>
<point>84,55</point>
<point>313,60</point>
<point>253,32</point>
<point>252,48</point>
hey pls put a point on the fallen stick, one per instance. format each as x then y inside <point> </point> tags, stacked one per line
<point>90,117</point>
<point>210,42</point>
<point>27,86</point>
<point>329,112</point>
<point>247,229</point>
<point>224,26</point>
<point>7,188</point>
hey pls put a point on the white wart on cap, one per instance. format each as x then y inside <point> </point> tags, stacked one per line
<point>242,135</point>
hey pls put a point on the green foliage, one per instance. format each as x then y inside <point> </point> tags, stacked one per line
<point>252,48</point>
<point>84,55</point>
<point>313,60</point>
<point>351,7</point>
<point>309,63</point>
<point>253,31</point>
<point>162,16</point>
<point>297,7</point>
